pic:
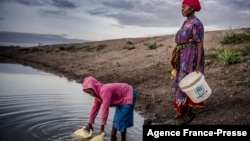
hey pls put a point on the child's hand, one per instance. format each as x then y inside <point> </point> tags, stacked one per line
<point>89,127</point>
<point>102,129</point>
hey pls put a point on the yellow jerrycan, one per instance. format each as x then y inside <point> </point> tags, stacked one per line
<point>84,133</point>
<point>99,137</point>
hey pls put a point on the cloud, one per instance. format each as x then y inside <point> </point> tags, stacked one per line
<point>226,13</point>
<point>138,13</point>
<point>110,19</point>
<point>33,2</point>
<point>236,4</point>
<point>161,13</point>
<point>63,4</point>
<point>56,3</point>
<point>52,13</point>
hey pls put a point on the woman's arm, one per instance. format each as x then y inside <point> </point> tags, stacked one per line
<point>200,50</point>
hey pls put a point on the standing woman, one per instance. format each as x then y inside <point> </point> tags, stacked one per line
<point>188,56</point>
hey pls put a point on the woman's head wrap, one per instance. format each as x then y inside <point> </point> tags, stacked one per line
<point>193,3</point>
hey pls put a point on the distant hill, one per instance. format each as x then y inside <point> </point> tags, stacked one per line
<point>31,39</point>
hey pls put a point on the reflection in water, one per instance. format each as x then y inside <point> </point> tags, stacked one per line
<point>38,106</point>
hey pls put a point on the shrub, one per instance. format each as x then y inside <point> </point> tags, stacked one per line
<point>129,47</point>
<point>219,48</point>
<point>71,48</point>
<point>229,57</point>
<point>30,50</point>
<point>129,42</point>
<point>233,37</point>
<point>152,45</point>
<point>156,65</point>
<point>207,62</point>
<point>101,47</point>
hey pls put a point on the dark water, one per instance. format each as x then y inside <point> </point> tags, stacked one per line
<point>39,106</point>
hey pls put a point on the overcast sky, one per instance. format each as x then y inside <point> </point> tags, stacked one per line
<point>110,19</point>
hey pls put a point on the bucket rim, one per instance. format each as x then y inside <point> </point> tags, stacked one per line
<point>194,82</point>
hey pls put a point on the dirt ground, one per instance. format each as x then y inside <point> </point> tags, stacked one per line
<point>137,62</point>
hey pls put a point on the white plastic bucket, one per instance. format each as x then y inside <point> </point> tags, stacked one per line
<point>195,86</point>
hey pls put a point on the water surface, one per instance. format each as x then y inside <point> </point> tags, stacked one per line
<point>39,106</point>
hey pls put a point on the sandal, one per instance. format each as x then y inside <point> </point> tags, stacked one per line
<point>187,118</point>
<point>177,116</point>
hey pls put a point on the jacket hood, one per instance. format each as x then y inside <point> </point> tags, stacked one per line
<point>91,82</point>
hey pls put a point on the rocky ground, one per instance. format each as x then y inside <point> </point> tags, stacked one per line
<point>145,64</point>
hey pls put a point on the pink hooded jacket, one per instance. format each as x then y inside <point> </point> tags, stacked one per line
<point>112,94</point>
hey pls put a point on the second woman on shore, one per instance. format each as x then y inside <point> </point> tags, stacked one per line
<point>187,57</point>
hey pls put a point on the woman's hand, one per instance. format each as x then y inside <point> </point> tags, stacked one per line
<point>197,69</point>
<point>89,127</point>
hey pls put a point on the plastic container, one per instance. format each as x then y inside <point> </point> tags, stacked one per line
<point>83,133</point>
<point>99,137</point>
<point>196,87</point>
